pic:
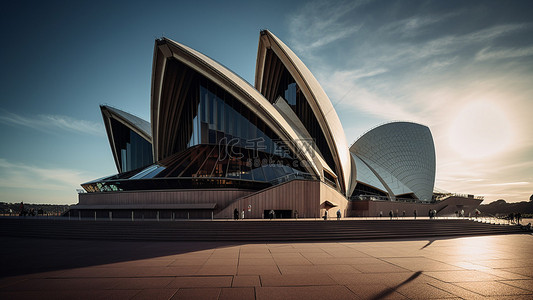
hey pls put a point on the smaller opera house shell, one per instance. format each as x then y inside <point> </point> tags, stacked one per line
<point>216,144</point>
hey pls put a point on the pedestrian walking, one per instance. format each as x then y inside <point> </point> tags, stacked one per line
<point>242,216</point>
<point>414,213</point>
<point>338,214</point>
<point>235,214</point>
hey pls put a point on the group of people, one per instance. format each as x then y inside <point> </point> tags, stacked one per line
<point>236,214</point>
<point>339,214</point>
<point>431,214</point>
<point>272,214</point>
<point>514,218</point>
<point>396,215</point>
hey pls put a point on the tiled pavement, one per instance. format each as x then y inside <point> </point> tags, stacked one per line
<point>487,267</point>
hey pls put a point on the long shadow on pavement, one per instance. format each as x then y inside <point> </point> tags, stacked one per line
<point>22,256</point>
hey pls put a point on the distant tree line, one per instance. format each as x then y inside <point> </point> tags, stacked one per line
<point>46,209</point>
<point>502,208</point>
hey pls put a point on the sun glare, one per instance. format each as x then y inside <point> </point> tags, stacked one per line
<point>480,130</point>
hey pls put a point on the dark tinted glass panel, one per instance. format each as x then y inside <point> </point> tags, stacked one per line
<point>209,114</point>
<point>269,173</point>
<point>283,84</point>
<point>154,173</point>
<point>258,175</point>
<point>210,165</point>
<point>234,168</point>
<point>363,190</point>
<point>133,151</point>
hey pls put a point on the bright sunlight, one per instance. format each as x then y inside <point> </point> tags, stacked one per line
<point>480,130</point>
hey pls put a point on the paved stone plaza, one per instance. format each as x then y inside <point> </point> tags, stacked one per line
<point>485,267</point>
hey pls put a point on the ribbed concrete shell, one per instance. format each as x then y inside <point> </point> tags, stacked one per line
<point>136,124</point>
<point>366,175</point>
<point>393,186</point>
<point>402,155</point>
<point>317,98</point>
<point>232,83</point>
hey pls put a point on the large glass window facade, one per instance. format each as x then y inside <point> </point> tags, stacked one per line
<point>133,151</point>
<point>223,119</point>
<point>280,83</point>
<point>219,161</point>
<point>207,166</point>
<point>208,115</point>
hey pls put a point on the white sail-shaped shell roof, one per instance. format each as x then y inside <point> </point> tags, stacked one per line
<point>403,155</point>
<point>134,123</point>
<point>318,100</point>
<point>232,83</point>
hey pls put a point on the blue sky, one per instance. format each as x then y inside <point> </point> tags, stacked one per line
<point>463,68</point>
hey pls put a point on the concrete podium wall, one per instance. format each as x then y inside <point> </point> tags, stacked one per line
<point>306,197</point>
<point>222,197</point>
<point>301,195</point>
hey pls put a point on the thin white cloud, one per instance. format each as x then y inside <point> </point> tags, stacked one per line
<point>371,103</point>
<point>401,70</point>
<point>528,165</point>
<point>402,53</point>
<point>321,23</point>
<point>53,123</point>
<point>414,25</point>
<point>347,94</point>
<point>332,37</point>
<point>459,179</point>
<point>485,178</point>
<point>22,176</point>
<point>510,183</point>
<point>438,64</point>
<point>359,74</point>
<point>489,53</point>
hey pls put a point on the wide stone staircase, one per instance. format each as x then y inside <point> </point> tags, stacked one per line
<point>248,230</point>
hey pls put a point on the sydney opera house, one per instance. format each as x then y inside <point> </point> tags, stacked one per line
<point>215,144</point>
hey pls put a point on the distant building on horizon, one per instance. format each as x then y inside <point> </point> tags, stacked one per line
<point>216,144</point>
